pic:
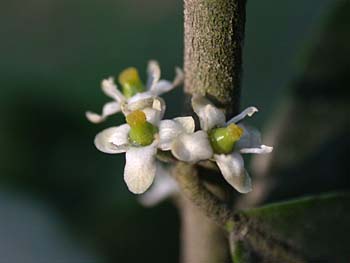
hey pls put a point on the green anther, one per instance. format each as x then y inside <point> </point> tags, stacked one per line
<point>223,139</point>
<point>141,132</point>
<point>130,81</point>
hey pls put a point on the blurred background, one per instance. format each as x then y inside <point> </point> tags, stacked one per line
<point>61,200</point>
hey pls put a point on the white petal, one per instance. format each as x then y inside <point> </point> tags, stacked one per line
<point>248,111</point>
<point>163,187</point>
<point>187,123</point>
<point>140,100</point>
<point>232,168</point>
<point>111,90</point>
<point>158,104</point>
<point>93,117</point>
<point>109,108</point>
<point>161,87</point>
<point>261,150</point>
<point>153,71</point>
<point>155,113</point>
<point>153,107</point>
<point>179,77</point>
<point>209,115</point>
<point>153,116</point>
<point>192,147</point>
<point>250,142</point>
<point>164,86</point>
<point>113,140</point>
<point>140,168</point>
<point>169,130</point>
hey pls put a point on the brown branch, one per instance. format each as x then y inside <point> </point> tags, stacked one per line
<point>192,187</point>
<point>214,31</point>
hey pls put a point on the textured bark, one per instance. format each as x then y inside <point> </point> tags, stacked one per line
<point>211,199</point>
<point>214,32</point>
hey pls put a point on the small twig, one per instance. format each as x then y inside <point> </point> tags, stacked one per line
<point>192,187</point>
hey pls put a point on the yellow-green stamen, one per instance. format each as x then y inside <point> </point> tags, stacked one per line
<point>141,132</point>
<point>130,81</point>
<point>223,139</point>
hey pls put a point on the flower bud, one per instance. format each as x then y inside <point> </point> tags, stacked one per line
<point>130,81</point>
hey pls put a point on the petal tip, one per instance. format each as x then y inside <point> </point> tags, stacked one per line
<point>93,117</point>
<point>252,110</point>
<point>266,148</point>
<point>179,76</point>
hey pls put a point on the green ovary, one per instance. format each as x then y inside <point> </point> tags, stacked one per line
<point>130,81</point>
<point>141,132</point>
<point>223,139</point>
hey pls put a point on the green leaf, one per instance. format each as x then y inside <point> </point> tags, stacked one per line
<point>310,128</point>
<point>313,229</point>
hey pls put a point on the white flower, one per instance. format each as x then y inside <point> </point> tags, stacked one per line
<point>138,101</point>
<point>210,143</point>
<point>140,144</point>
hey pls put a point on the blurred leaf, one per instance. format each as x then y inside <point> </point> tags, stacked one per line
<point>313,229</point>
<point>309,131</point>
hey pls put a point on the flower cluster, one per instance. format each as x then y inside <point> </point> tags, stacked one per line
<point>145,132</point>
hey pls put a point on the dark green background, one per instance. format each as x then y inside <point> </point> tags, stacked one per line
<point>60,199</point>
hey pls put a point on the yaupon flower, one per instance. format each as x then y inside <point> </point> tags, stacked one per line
<point>222,141</point>
<point>139,139</point>
<point>134,95</point>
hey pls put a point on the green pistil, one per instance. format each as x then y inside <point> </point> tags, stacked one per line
<point>223,139</point>
<point>130,81</point>
<point>141,132</point>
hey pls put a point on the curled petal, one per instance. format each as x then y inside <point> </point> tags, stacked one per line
<point>209,115</point>
<point>153,71</point>
<point>113,140</point>
<point>192,147</point>
<point>140,101</point>
<point>164,86</point>
<point>143,100</point>
<point>140,168</point>
<point>155,113</point>
<point>248,111</point>
<point>232,168</point>
<point>153,107</point>
<point>261,150</point>
<point>153,116</point>
<point>169,130</point>
<point>250,142</point>
<point>163,187</point>
<point>109,108</point>
<point>111,90</point>
<point>158,104</point>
